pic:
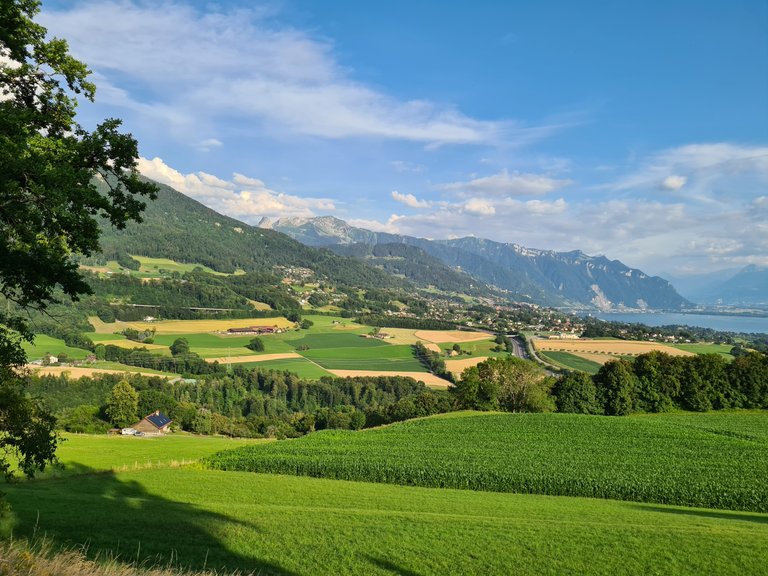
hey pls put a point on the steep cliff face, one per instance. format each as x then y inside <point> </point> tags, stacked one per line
<point>542,276</point>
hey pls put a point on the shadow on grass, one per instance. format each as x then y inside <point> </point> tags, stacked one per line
<point>390,566</point>
<point>714,514</point>
<point>114,518</point>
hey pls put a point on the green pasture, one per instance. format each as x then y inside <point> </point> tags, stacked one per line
<point>570,361</point>
<point>385,358</point>
<point>299,366</point>
<point>704,348</point>
<point>154,265</point>
<point>327,340</point>
<point>268,524</point>
<point>715,460</point>
<point>46,344</point>
<point>79,452</point>
<point>478,348</point>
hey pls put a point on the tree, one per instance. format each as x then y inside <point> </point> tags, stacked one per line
<point>179,347</point>
<point>256,344</point>
<point>576,393</point>
<point>123,404</point>
<point>616,384</point>
<point>56,179</point>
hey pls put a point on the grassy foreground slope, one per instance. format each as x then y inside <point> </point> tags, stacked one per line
<point>717,460</point>
<point>306,526</point>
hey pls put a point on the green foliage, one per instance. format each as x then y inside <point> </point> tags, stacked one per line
<point>28,436</point>
<point>663,459</point>
<point>575,393</point>
<point>256,344</point>
<point>83,419</point>
<point>180,347</point>
<point>508,384</point>
<point>616,385</point>
<point>306,324</point>
<point>123,404</point>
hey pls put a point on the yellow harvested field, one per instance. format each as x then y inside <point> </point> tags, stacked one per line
<point>429,379</point>
<point>259,305</point>
<point>197,326</point>
<point>106,327</point>
<point>400,335</point>
<point>615,347</point>
<point>458,366</point>
<point>443,336</point>
<point>78,372</point>
<point>254,358</point>
<point>123,343</point>
<point>433,347</point>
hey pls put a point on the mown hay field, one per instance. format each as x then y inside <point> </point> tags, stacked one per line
<point>429,379</point>
<point>446,336</point>
<point>460,364</point>
<point>196,326</point>
<point>590,348</point>
<point>717,460</point>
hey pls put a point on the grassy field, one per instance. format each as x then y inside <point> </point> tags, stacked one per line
<point>299,366</point>
<point>326,340</point>
<point>717,460</point>
<point>571,361</point>
<point>307,526</point>
<point>45,344</point>
<point>79,452</point>
<point>704,348</point>
<point>386,358</point>
<point>154,265</point>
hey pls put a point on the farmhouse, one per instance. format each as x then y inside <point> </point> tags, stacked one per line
<point>155,423</point>
<point>254,330</point>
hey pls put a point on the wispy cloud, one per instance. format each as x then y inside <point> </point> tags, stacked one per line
<point>165,56</point>
<point>506,184</point>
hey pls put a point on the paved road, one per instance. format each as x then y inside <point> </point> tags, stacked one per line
<point>518,346</point>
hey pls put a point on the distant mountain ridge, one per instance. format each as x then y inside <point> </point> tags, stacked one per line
<point>746,286</point>
<point>542,276</point>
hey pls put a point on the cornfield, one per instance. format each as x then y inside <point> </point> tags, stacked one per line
<point>717,460</point>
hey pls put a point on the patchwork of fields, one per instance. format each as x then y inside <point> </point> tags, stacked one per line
<point>332,345</point>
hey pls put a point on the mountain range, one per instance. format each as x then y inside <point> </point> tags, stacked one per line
<point>569,279</point>
<point>747,286</point>
<point>182,229</point>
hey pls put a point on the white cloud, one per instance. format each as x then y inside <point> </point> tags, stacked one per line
<point>506,184</point>
<point>167,57</point>
<point>479,207</point>
<point>409,200</point>
<point>674,182</point>
<point>244,198</point>
<point>709,168</point>
<point>208,144</point>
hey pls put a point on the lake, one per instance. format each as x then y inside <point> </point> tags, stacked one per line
<point>715,322</point>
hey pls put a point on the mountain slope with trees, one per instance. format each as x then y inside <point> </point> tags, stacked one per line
<point>542,276</point>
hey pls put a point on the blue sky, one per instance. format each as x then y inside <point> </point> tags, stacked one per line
<point>638,130</point>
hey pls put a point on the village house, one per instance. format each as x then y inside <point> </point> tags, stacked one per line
<point>153,424</point>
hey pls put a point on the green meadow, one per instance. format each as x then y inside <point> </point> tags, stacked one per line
<point>301,367</point>
<point>386,358</point>
<point>47,345</point>
<point>569,361</point>
<point>196,518</point>
<point>704,348</point>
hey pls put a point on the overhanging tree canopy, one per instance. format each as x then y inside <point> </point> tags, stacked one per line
<point>49,203</point>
